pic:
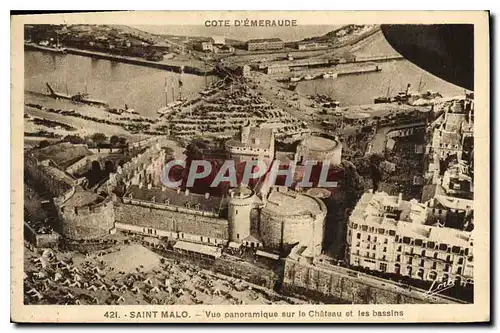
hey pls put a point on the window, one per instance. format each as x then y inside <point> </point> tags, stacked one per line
<point>381,231</point>
<point>383,267</point>
<point>364,227</point>
<point>238,236</point>
<point>399,248</point>
<point>368,238</point>
<point>358,236</point>
<point>201,238</point>
<point>435,255</point>
<point>385,241</point>
<point>448,258</point>
<point>434,265</point>
<point>385,249</point>
<point>455,249</point>
<point>423,253</point>
<point>357,244</point>
<point>460,261</point>
<point>410,260</point>
<point>375,238</point>
<point>431,245</point>
<point>357,252</point>
<point>373,255</point>
<point>406,240</point>
<point>422,263</point>
<point>236,212</point>
<point>446,268</point>
<point>443,247</point>
<point>459,270</point>
<point>418,242</point>
<point>467,251</point>
<point>374,247</point>
<point>398,257</point>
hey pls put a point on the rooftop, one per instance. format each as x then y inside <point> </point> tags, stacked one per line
<point>369,212</point>
<point>287,202</point>
<point>264,40</point>
<point>82,198</point>
<point>199,248</point>
<point>171,197</point>
<point>319,144</point>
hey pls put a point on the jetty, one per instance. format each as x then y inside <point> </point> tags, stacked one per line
<point>164,65</point>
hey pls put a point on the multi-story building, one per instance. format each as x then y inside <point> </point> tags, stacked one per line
<point>390,235</point>
<point>265,44</point>
<point>254,143</point>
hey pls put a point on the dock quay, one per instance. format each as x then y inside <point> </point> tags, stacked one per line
<point>142,62</point>
<point>331,74</point>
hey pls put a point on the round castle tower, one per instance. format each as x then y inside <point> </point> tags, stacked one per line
<point>241,203</point>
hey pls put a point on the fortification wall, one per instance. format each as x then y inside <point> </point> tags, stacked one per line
<point>41,175</point>
<point>89,222</point>
<point>289,229</point>
<point>157,217</point>
<point>302,277</point>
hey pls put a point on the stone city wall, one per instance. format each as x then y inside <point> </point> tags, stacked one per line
<point>300,277</point>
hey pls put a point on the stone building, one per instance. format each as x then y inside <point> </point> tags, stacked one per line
<point>243,215</point>
<point>315,148</point>
<point>172,213</point>
<point>265,44</point>
<point>254,143</point>
<point>391,235</point>
<point>85,215</point>
<point>289,218</point>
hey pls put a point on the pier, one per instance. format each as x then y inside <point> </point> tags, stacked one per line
<point>195,70</point>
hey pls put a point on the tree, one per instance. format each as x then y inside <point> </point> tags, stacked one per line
<point>114,140</point>
<point>74,139</point>
<point>98,138</point>
<point>43,144</point>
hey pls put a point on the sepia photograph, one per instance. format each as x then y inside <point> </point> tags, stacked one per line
<point>208,166</point>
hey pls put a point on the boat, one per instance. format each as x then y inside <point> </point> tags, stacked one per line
<point>329,75</point>
<point>169,107</point>
<point>295,78</point>
<point>77,98</point>
<point>53,49</point>
<point>308,77</point>
<point>292,86</point>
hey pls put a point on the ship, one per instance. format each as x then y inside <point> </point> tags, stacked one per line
<point>295,79</point>
<point>77,98</point>
<point>308,77</point>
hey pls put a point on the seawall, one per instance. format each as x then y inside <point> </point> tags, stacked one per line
<point>142,62</point>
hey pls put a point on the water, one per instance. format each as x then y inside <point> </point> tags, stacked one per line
<point>395,74</point>
<point>240,33</point>
<point>141,88</point>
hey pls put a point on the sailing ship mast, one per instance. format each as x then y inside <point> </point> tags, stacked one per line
<point>166,91</point>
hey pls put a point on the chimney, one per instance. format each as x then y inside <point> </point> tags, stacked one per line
<point>207,195</point>
<point>400,198</point>
<point>187,192</point>
<point>140,184</point>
